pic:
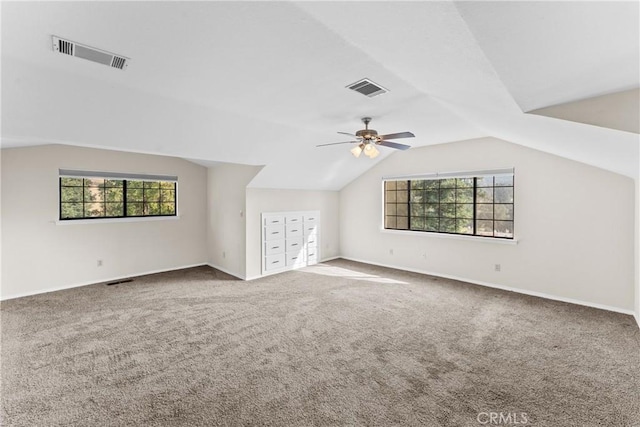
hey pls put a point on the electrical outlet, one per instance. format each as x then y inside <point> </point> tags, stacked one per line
<point>99,263</point>
<point>497,267</point>
<point>424,255</point>
<point>390,251</point>
<point>224,254</point>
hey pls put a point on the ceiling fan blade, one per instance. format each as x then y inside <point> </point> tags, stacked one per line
<point>397,135</point>
<point>349,134</point>
<point>336,143</point>
<point>394,145</point>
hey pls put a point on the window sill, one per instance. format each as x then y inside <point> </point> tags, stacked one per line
<point>116,220</point>
<point>500,241</point>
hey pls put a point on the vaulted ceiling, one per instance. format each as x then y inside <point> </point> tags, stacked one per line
<point>263,83</point>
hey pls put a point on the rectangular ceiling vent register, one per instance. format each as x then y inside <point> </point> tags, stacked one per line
<point>367,88</point>
<point>100,56</point>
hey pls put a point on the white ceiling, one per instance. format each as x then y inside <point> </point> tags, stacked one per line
<point>263,83</point>
<point>549,53</point>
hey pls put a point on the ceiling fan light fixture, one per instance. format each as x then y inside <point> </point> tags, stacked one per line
<point>356,151</point>
<point>371,151</point>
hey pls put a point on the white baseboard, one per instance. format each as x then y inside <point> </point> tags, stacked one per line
<point>270,273</point>
<point>446,276</point>
<point>224,270</point>
<point>109,279</point>
<point>290,269</point>
<point>505,288</point>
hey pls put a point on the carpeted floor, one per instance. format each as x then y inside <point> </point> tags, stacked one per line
<point>340,343</point>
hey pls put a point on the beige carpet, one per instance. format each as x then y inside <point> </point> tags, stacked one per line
<point>336,344</point>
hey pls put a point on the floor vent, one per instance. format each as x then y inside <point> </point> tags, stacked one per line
<point>367,88</point>
<point>67,47</point>
<point>119,281</point>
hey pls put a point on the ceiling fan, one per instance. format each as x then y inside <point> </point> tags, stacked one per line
<point>367,139</point>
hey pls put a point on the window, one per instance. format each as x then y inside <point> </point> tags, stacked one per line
<point>90,195</point>
<point>471,205</point>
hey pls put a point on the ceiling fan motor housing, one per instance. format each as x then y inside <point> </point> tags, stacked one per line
<point>368,134</point>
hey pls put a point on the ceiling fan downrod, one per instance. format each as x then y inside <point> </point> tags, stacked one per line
<point>368,135</point>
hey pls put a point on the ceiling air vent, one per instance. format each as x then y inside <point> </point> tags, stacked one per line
<point>367,88</point>
<point>109,59</point>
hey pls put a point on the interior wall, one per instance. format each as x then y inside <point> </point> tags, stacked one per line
<point>226,208</point>
<point>619,110</point>
<point>41,254</point>
<point>637,250</point>
<point>270,200</point>
<point>574,225</point>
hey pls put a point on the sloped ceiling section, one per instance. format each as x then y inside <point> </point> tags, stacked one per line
<point>549,53</point>
<point>262,83</point>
